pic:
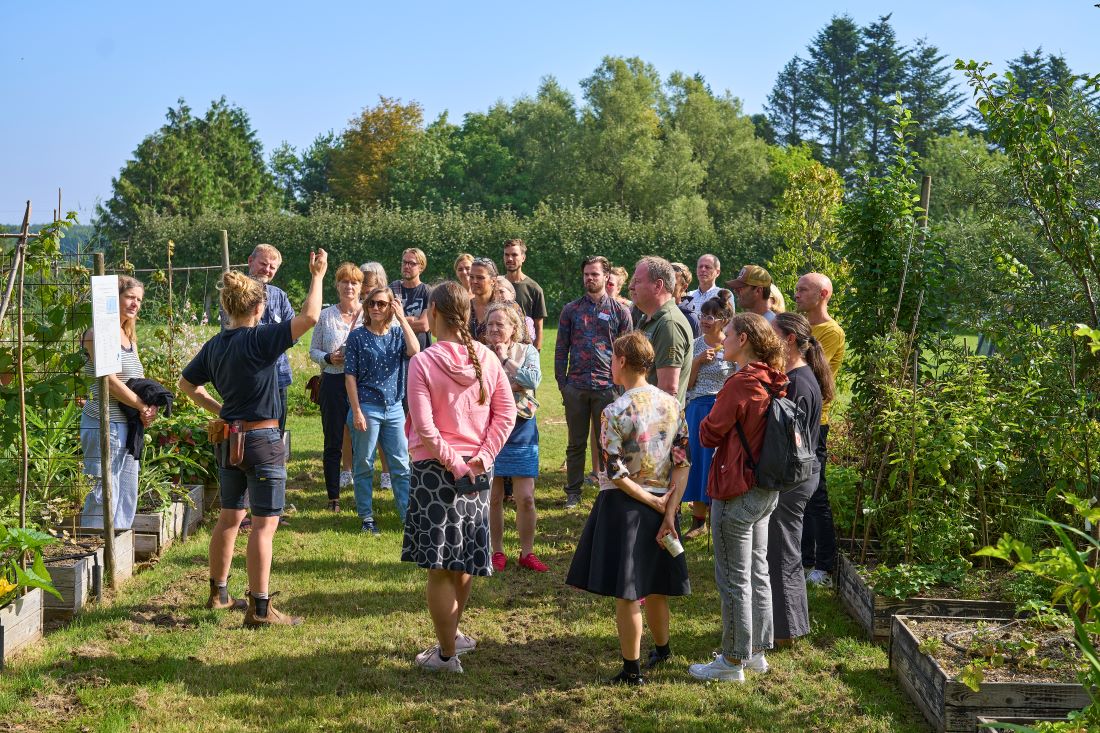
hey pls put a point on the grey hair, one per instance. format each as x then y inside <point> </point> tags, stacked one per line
<point>660,269</point>
<point>375,270</point>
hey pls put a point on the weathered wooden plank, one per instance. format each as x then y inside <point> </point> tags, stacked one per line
<point>21,623</point>
<point>153,532</point>
<point>1022,696</point>
<point>124,550</point>
<point>918,674</point>
<point>193,512</point>
<point>74,582</point>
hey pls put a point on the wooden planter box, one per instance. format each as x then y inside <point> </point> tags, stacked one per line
<point>125,540</point>
<point>20,623</point>
<point>76,582</point>
<point>152,532</point>
<point>950,706</point>
<point>874,612</point>
<point>192,511</point>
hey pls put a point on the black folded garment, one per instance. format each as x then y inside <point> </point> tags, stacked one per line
<point>153,393</point>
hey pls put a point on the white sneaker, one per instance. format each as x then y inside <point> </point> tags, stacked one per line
<point>386,483</point>
<point>429,659</point>
<point>464,643</point>
<point>820,578</point>
<point>346,479</point>
<point>719,670</point>
<point>756,663</point>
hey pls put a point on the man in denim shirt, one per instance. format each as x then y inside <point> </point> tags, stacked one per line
<point>582,365</point>
<point>263,263</point>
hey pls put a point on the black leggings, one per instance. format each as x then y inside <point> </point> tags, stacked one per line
<point>818,533</point>
<point>334,416</point>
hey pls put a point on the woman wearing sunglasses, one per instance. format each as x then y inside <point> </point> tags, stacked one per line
<point>374,375</point>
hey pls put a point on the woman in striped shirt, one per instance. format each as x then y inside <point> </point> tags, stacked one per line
<point>124,466</point>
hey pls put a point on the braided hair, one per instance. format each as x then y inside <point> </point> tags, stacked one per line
<point>452,304</point>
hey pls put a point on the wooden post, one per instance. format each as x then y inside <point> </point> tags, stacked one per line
<point>18,262</point>
<point>225,251</point>
<point>105,464</point>
<point>171,315</point>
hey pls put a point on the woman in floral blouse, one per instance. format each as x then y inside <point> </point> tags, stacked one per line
<point>644,442</point>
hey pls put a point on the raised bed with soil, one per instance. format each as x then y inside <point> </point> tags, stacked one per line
<point>1009,691</point>
<point>192,509</point>
<point>76,568</point>
<point>874,612</point>
<point>20,624</point>
<point>153,532</point>
<point>123,549</point>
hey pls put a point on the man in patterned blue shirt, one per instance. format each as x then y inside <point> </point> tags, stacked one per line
<point>582,365</point>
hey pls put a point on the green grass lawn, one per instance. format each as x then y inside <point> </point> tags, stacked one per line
<point>153,659</point>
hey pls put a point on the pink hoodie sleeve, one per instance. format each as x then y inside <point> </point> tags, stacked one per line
<point>420,414</point>
<point>502,413</point>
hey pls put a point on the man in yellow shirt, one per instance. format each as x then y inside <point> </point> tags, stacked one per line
<point>812,296</point>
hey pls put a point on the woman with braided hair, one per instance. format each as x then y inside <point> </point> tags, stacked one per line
<point>461,412</point>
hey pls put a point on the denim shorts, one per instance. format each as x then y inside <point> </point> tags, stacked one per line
<point>262,473</point>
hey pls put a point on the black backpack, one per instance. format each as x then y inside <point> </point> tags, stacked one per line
<point>787,457</point>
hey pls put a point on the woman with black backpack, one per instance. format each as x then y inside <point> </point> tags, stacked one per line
<point>811,381</point>
<point>739,508</point>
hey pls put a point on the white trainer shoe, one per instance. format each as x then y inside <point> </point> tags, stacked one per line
<point>718,670</point>
<point>464,643</point>
<point>386,482</point>
<point>820,578</point>
<point>756,663</point>
<point>346,479</point>
<point>429,659</point>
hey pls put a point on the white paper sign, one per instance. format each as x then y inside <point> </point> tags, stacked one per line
<point>105,322</point>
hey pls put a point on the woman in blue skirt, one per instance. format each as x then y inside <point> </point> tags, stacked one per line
<point>708,373</point>
<point>507,336</point>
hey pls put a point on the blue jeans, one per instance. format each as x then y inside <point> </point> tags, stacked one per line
<point>385,425</point>
<point>739,527</point>
<point>124,475</point>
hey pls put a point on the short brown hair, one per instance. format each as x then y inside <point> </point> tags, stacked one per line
<point>349,271</point>
<point>636,349</point>
<point>597,260</point>
<point>516,243</point>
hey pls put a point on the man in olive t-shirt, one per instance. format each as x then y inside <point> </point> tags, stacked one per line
<point>663,324</point>
<point>529,295</point>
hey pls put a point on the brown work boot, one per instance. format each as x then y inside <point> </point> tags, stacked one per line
<point>220,600</point>
<point>273,618</point>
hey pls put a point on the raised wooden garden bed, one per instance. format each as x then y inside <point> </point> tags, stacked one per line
<point>192,510</point>
<point>123,546</point>
<point>20,624</point>
<point>991,725</point>
<point>77,574</point>
<point>153,532</point>
<point>949,705</point>
<point>874,612</point>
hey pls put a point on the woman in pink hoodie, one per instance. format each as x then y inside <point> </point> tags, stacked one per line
<point>461,412</point>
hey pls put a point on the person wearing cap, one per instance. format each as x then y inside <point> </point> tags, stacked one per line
<point>753,288</point>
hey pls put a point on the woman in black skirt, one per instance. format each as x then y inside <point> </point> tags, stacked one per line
<point>621,553</point>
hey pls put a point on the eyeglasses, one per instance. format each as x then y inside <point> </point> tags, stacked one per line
<point>409,263</point>
<point>710,319</point>
<point>378,304</point>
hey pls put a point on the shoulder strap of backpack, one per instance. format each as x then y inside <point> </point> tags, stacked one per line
<point>745,445</point>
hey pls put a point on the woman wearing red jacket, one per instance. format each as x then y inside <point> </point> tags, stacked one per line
<point>739,509</point>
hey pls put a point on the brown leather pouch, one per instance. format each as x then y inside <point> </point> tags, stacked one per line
<point>236,442</point>
<point>217,431</point>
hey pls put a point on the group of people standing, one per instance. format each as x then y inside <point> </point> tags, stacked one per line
<point>669,388</point>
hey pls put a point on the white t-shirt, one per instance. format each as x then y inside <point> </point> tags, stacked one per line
<point>699,297</point>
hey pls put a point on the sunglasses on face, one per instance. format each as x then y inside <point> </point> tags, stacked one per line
<point>378,304</point>
<point>710,319</point>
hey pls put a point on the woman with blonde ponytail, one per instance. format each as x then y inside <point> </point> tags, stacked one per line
<point>461,412</point>
<point>240,361</point>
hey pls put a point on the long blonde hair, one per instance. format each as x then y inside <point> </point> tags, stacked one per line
<point>129,326</point>
<point>452,304</point>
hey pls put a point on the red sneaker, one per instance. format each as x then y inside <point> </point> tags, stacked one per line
<point>531,562</point>
<point>500,560</point>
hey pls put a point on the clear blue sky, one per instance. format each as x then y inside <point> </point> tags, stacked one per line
<point>83,82</point>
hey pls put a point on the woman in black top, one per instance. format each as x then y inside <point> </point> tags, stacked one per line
<point>240,362</point>
<point>811,381</point>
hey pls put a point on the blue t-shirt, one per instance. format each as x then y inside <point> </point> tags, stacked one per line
<point>376,363</point>
<point>241,362</point>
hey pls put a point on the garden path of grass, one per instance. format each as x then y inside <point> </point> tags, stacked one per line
<point>153,659</point>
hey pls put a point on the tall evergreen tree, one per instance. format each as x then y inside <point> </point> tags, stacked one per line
<point>838,91</point>
<point>931,93</point>
<point>791,103</point>
<point>883,74</point>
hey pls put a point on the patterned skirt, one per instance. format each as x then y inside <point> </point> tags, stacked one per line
<point>445,530</point>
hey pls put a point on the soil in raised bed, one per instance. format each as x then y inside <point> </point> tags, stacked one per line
<point>1055,646</point>
<point>67,551</point>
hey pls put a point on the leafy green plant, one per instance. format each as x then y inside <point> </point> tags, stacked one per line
<point>906,580</point>
<point>15,545</point>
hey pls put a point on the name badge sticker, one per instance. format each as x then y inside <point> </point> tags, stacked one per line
<point>604,316</point>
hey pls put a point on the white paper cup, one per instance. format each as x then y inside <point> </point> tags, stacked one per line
<point>673,545</point>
